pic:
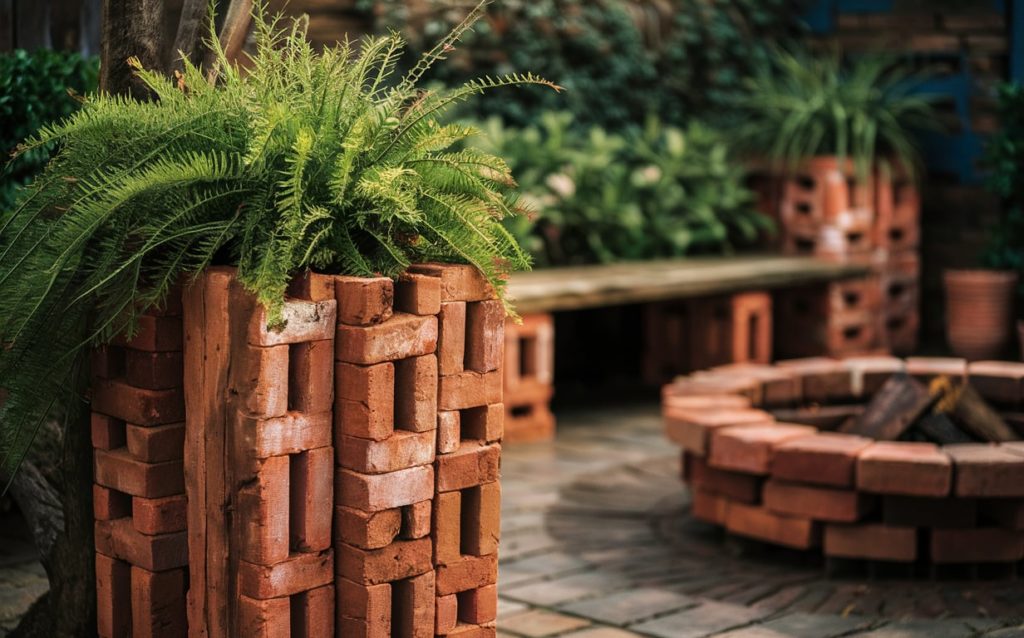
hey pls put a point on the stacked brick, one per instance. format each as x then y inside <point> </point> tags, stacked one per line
<point>138,431</point>
<point>802,486</point>
<point>529,378</point>
<point>693,334</point>
<point>826,210</point>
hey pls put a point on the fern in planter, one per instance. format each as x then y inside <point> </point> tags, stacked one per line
<point>302,161</point>
<point>799,106</point>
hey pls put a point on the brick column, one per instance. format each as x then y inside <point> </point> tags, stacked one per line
<point>529,378</point>
<point>138,431</point>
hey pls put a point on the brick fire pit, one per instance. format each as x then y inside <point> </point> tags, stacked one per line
<point>762,463</point>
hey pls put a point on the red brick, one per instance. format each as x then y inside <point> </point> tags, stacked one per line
<point>118,470</point>
<point>986,470</point>
<point>263,509</point>
<point>264,618</point>
<point>825,458</point>
<point>414,606</point>
<point>752,327</point>
<point>449,431</point>
<point>159,515</point>
<point>759,523</point>
<point>822,379</point>
<point>298,573</point>
<point>446,614</point>
<point>106,362</point>
<point>364,301</point>
<point>119,539</point>
<point>416,519</point>
<point>471,465</point>
<point>913,469</point>
<point>154,334</point>
<point>926,368</point>
<point>113,597</point>
<point>471,572</point>
<point>481,526</point>
<point>1000,382</point>
<point>474,631</point>
<point>746,387</point>
<point>1009,513</point>
<point>400,337</point>
<point>979,545</point>
<point>368,603</point>
<point>311,499</point>
<point>692,429</point>
<point>279,436</point>
<point>485,335</point>
<point>418,294</point>
<point>158,603</point>
<point>312,613</point>
<point>260,380</point>
<point>311,377</point>
<point>108,433</point>
<point>704,402</point>
<point>818,503</point>
<point>401,559</point>
<point>157,443</point>
<point>469,389</point>
<point>735,486</point>
<point>138,405</point>
<point>778,385</point>
<point>416,394</point>
<point>303,321</point>
<point>376,492</point>
<point>869,373</point>
<point>367,530</point>
<point>459,282</point>
<point>399,451</point>
<point>484,423</point>
<point>365,400</point>
<point>871,542</point>
<point>451,344</point>
<point>749,448</point>
<point>915,511</point>
<point>153,370</point>
<point>447,536</point>
<point>312,286</point>
<point>708,507</point>
<point>108,504</point>
<point>479,606</point>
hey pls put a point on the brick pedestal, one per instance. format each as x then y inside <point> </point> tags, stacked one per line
<point>529,378</point>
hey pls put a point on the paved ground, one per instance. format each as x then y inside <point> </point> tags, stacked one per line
<point>596,543</point>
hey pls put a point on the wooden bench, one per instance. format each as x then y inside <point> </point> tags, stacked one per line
<point>740,282</point>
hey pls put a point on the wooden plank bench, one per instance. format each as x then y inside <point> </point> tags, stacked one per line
<point>529,348</point>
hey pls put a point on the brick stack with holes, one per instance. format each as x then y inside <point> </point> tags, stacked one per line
<point>529,378</point>
<point>341,469</point>
<point>138,432</point>
<point>826,210</point>
<point>769,454</point>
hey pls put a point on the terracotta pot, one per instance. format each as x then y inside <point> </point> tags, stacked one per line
<point>979,311</point>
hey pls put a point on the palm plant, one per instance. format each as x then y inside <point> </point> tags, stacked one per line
<point>798,106</point>
<point>304,160</point>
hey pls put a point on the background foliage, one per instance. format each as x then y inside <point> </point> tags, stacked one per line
<point>33,92</point>
<point>1004,159</point>
<point>620,60</point>
<point>600,197</point>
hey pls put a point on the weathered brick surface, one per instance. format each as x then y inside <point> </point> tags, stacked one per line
<point>750,448</point>
<point>759,523</point>
<point>912,469</point>
<point>735,486</point>
<point>824,459</point>
<point>986,470</point>
<point>817,503</point>
<point>693,428</point>
<point>871,541</point>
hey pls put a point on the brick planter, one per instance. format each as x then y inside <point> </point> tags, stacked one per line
<point>804,487</point>
<point>341,473</point>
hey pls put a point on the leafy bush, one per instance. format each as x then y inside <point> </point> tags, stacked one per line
<point>303,161</point>
<point>600,197</point>
<point>620,59</point>
<point>1004,158</point>
<point>801,105</point>
<point>33,92</point>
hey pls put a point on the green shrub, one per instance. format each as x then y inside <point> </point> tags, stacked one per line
<point>303,161</point>
<point>621,60</point>
<point>1004,158</point>
<point>599,197</point>
<point>800,105</point>
<point>33,92</point>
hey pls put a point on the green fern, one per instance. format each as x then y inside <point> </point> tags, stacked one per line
<point>306,160</point>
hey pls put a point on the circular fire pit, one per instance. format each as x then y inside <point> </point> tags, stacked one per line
<point>768,454</point>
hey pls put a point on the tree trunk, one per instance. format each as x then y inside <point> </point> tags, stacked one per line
<point>130,29</point>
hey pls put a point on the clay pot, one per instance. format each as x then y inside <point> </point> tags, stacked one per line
<point>979,311</point>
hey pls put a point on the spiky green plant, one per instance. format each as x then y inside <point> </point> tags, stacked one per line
<point>800,105</point>
<point>303,160</point>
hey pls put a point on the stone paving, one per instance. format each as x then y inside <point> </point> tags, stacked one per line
<point>597,543</point>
